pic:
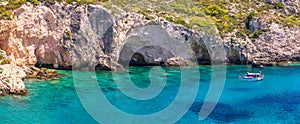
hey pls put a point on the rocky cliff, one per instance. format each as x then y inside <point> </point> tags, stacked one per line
<point>61,36</point>
<point>48,35</point>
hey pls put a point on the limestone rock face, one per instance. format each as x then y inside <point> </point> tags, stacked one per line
<point>154,41</point>
<point>65,36</point>
<point>11,79</point>
<point>256,24</point>
<point>279,44</point>
<point>154,44</point>
<point>178,61</point>
<point>35,35</point>
<point>62,36</point>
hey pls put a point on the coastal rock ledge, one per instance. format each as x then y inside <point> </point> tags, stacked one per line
<point>11,78</point>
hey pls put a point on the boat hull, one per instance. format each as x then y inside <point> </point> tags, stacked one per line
<point>251,79</point>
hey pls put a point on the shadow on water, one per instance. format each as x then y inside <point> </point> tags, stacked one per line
<point>285,101</point>
<point>223,112</point>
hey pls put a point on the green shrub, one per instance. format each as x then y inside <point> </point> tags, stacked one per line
<point>291,21</point>
<point>228,18</point>
<point>71,1</point>
<point>215,10</point>
<point>168,18</point>
<point>15,4</point>
<point>251,16</point>
<point>35,2</point>
<point>256,34</point>
<point>248,33</point>
<point>240,34</point>
<point>180,20</point>
<point>5,61</point>
<point>149,17</point>
<point>144,11</point>
<point>1,57</point>
<point>228,28</point>
<point>279,5</point>
<point>265,30</point>
<point>225,27</point>
<point>68,34</point>
<point>6,15</point>
<point>200,21</point>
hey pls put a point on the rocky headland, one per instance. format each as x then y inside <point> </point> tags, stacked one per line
<point>62,36</point>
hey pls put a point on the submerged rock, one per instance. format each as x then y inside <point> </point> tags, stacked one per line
<point>287,101</point>
<point>42,73</point>
<point>223,112</point>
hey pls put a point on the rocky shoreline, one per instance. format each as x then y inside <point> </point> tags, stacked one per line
<point>12,76</point>
<point>11,80</point>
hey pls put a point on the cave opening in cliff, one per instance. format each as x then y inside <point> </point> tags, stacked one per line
<point>151,55</point>
<point>137,60</point>
<point>39,65</point>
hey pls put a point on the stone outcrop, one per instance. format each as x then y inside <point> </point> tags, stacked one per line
<point>35,35</point>
<point>43,73</point>
<point>277,45</point>
<point>178,61</point>
<point>11,79</point>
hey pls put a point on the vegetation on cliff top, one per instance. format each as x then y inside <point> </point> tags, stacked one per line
<point>229,17</point>
<point>7,5</point>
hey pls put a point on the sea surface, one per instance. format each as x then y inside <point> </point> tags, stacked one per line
<point>276,99</point>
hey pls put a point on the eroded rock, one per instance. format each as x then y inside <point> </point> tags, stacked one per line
<point>11,80</point>
<point>42,73</point>
<point>178,61</point>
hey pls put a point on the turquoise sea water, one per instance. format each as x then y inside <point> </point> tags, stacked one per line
<point>275,99</point>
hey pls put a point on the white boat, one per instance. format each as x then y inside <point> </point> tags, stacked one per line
<point>252,77</point>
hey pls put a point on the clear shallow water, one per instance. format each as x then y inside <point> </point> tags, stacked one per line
<point>276,99</point>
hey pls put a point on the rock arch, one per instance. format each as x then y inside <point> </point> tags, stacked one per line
<point>148,55</point>
<point>156,44</point>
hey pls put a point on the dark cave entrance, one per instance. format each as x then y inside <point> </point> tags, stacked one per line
<point>145,56</point>
<point>137,60</point>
